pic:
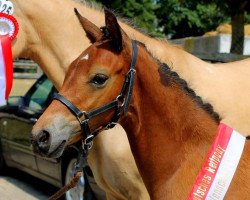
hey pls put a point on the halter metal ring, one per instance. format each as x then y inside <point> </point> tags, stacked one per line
<point>120,100</point>
<point>88,142</point>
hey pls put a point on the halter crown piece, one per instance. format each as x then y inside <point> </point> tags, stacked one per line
<point>120,104</point>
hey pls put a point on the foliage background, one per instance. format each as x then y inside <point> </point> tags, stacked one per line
<point>183,18</point>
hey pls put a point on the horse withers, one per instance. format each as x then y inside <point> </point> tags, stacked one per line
<point>169,128</point>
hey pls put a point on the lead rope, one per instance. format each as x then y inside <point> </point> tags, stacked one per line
<point>67,187</point>
<point>80,164</point>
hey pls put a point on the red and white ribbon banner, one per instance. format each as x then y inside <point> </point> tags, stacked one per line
<point>6,68</point>
<point>8,31</point>
<point>220,165</point>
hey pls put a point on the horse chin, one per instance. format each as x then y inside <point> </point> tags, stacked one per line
<point>54,154</point>
<point>58,151</point>
<point>60,148</point>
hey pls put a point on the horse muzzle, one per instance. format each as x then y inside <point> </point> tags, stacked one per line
<point>47,143</point>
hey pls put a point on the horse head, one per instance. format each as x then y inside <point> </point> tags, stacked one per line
<point>94,92</point>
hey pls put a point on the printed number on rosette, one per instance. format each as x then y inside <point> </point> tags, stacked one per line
<point>8,31</point>
<point>6,7</point>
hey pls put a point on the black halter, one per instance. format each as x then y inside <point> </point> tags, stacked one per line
<point>120,104</point>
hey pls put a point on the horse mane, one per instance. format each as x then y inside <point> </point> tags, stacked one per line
<point>170,75</point>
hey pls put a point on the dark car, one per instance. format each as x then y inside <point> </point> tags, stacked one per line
<point>16,120</point>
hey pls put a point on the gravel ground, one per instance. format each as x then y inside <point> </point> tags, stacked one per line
<point>19,185</point>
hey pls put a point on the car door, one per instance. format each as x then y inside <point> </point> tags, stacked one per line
<point>17,126</point>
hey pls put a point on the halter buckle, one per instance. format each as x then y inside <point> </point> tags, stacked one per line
<point>88,142</point>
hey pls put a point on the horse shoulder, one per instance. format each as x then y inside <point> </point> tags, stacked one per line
<point>115,170</point>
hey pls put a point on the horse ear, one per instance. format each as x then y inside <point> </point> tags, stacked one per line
<point>114,29</point>
<point>92,31</point>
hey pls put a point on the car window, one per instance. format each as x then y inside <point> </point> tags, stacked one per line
<point>39,97</point>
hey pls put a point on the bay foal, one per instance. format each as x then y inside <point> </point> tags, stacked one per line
<point>169,129</point>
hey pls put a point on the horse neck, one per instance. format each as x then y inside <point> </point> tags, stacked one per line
<point>185,64</point>
<point>55,39</point>
<point>163,123</point>
<point>50,35</point>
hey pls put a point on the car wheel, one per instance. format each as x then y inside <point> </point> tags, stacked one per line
<point>76,192</point>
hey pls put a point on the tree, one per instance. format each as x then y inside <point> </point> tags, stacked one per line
<point>183,18</point>
<point>237,10</point>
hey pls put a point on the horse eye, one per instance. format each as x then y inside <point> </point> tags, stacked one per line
<point>99,79</point>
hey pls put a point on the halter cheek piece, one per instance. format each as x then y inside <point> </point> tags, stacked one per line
<point>120,104</point>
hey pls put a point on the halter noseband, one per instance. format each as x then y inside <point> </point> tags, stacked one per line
<point>121,102</point>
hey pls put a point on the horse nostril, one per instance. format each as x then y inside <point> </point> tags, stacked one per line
<point>44,137</point>
<point>43,141</point>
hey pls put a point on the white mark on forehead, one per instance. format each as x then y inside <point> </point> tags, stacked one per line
<point>85,57</point>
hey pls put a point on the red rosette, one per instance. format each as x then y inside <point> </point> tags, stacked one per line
<point>8,25</point>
